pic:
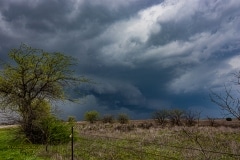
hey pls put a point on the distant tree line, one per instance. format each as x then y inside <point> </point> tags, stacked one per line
<point>176,117</point>
<point>94,116</point>
<point>162,117</point>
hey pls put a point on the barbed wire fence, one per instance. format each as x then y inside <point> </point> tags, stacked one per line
<point>93,146</point>
<point>99,147</point>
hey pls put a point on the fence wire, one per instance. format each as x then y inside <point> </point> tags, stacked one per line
<point>94,146</point>
<point>129,148</point>
<point>163,145</point>
<point>98,147</point>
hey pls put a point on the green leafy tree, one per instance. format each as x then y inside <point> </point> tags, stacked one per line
<point>32,82</point>
<point>91,116</point>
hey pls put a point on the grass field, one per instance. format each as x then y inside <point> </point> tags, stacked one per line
<point>137,140</point>
<point>12,148</point>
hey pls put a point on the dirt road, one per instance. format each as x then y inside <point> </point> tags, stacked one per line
<point>7,126</point>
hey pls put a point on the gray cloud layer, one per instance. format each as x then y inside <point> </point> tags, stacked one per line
<point>143,54</point>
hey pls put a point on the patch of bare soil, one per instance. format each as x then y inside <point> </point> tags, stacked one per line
<point>8,126</point>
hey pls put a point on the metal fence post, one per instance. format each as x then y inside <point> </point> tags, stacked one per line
<point>72,144</point>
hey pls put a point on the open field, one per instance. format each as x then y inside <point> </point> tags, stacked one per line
<point>12,148</point>
<point>137,140</point>
<point>146,140</point>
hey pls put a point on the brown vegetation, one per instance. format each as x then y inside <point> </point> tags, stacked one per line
<point>201,141</point>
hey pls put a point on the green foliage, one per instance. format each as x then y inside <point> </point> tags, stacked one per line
<point>40,109</point>
<point>15,149</point>
<point>35,75</point>
<point>91,116</point>
<point>56,132</point>
<point>48,130</point>
<point>31,82</point>
<point>107,119</point>
<point>123,118</point>
<point>108,143</point>
<point>72,119</point>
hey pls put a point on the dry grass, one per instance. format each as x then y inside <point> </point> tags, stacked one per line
<point>145,139</point>
<point>197,142</point>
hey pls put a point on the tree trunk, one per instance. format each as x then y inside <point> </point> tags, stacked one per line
<point>29,126</point>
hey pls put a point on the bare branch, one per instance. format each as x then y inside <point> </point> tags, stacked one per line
<point>227,101</point>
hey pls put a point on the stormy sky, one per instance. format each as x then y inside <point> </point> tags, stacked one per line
<point>143,55</point>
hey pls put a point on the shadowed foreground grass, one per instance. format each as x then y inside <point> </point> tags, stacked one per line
<point>12,148</point>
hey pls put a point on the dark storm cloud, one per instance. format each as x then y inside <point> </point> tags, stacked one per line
<point>142,55</point>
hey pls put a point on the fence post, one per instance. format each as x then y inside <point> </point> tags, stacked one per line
<point>72,144</point>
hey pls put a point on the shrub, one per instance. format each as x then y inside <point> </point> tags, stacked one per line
<point>72,119</point>
<point>161,116</point>
<point>91,116</point>
<point>125,127</point>
<point>49,130</point>
<point>107,119</point>
<point>145,125</point>
<point>56,131</point>
<point>211,121</point>
<point>228,119</point>
<point>191,117</point>
<point>45,127</point>
<point>123,118</point>
<point>175,116</point>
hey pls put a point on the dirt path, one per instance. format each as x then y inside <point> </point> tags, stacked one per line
<point>7,126</point>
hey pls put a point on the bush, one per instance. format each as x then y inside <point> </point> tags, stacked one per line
<point>56,131</point>
<point>49,130</point>
<point>145,125</point>
<point>228,119</point>
<point>44,128</point>
<point>123,118</point>
<point>191,117</point>
<point>175,116</point>
<point>107,119</point>
<point>91,116</point>
<point>211,121</point>
<point>125,127</point>
<point>72,121</point>
<point>161,116</point>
